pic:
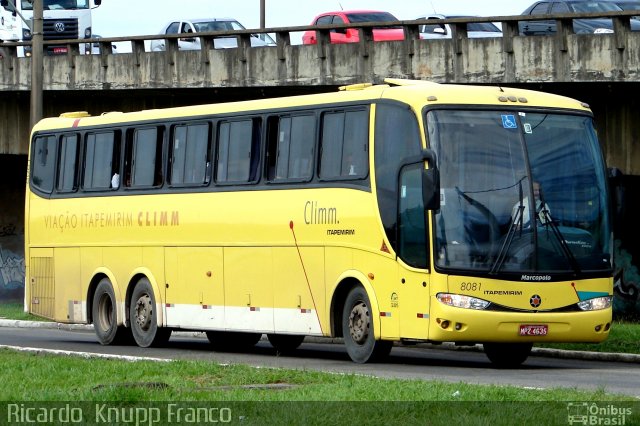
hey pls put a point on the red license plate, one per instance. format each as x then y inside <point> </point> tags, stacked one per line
<point>59,50</point>
<point>534,330</point>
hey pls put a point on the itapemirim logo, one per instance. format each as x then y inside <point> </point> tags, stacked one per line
<point>591,413</point>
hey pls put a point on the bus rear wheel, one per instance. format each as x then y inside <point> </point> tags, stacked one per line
<point>284,343</point>
<point>232,340</point>
<point>357,329</point>
<point>105,320</point>
<point>507,355</point>
<point>144,317</point>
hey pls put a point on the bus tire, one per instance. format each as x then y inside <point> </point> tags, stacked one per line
<point>144,318</point>
<point>232,340</point>
<point>357,329</point>
<point>284,343</point>
<point>507,355</point>
<point>103,313</point>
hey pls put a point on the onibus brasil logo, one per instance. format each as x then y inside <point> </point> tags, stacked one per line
<point>590,413</point>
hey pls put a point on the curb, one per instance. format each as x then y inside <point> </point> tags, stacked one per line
<point>547,352</point>
<point>44,324</point>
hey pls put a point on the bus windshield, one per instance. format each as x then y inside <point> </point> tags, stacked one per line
<point>521,192</point>
<point>57,4</point>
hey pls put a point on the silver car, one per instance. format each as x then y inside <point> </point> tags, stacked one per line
<point>207,25</point>
<point>474,29</point>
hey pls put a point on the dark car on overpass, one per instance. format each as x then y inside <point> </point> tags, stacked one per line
<point>580,26</point>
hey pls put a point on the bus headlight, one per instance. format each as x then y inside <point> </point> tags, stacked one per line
<point>595,304</point>
<point>461,301</point>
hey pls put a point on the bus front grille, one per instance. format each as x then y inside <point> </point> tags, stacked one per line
<point>60,29</point>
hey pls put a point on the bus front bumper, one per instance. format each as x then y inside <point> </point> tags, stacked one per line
<point>451,324</point>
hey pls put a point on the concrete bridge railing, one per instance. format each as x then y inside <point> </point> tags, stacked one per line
<point>564,57</point>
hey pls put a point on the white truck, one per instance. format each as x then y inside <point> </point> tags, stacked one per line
<point>9,25</point>
<point>63,20</point>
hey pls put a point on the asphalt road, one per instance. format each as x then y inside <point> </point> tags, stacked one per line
<point>539,372</point>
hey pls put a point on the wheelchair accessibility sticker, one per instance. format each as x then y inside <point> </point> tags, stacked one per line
<point>509,121</point>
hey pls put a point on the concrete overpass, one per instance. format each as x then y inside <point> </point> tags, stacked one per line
<point>602,70</point>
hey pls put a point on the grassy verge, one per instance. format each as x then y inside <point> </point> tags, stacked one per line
<point>283,396</point>
<point>623,338</point>
<point>15,311</point>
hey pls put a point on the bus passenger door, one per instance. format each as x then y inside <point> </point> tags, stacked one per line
<point>194,291</point>
<point>413,303</point>
<point>413,253</point>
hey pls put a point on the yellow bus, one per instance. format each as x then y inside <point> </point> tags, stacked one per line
<point>396,212</point>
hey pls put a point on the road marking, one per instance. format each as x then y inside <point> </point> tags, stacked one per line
<point>84,354</point>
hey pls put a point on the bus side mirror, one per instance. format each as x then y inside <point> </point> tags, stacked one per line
<point>5,4</point>
<point>430,178</point>
<point>431,188</point>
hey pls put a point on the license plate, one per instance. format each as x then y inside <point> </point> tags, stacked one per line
<point>534,330</point>
<point>59,50</point>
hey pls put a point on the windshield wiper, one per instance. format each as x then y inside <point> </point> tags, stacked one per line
<point>548,221</point>
<point>516,224</point>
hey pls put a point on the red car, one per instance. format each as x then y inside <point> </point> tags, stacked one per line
<point>351,35</point>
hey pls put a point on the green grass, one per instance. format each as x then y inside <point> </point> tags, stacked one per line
<point>57,378</point>
<point>624,337</point>
<point>282,396</point>
<point>15,311</point>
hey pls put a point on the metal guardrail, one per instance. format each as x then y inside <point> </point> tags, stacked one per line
<point>510,29</point>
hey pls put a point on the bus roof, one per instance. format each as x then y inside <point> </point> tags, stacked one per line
<point>417,93</point>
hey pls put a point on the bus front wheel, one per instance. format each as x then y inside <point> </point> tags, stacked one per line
<point>144,317</point>
<point>103,313</point>
<point>507,355</point>
<point>357,329</point>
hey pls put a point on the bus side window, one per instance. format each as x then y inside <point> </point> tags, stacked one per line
<point>42,169</point>
<point>101,161</point>
<point>397,136</point>
<point>238,151</point>
<point>344,145</point>
<point>143,161</point>
<point>115,152</point>
<point>291,147</point>
<point>189,155</point>
<point>67,163</point>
